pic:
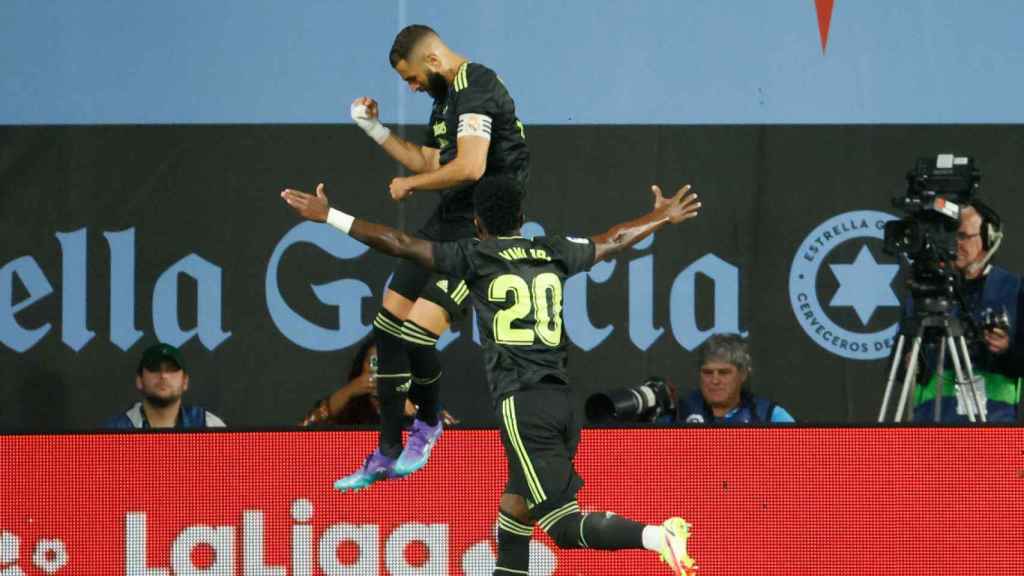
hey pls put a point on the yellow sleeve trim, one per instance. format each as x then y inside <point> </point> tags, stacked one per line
<point>462,77</point>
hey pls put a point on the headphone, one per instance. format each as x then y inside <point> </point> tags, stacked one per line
<point>991,225</point>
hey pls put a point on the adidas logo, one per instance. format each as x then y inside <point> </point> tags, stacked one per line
<point>443,285</point>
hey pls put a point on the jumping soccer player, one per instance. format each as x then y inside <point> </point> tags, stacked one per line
<point>517,287</point>
<point>473,131</point>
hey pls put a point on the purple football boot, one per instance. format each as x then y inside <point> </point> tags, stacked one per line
<point>376,467</point>
<point>421,441</point>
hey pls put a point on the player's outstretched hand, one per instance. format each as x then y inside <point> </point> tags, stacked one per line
<point>308,206</point>
<point>682,206</point>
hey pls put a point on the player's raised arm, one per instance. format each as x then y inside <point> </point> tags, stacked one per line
<point>419,159</point>
<point>681,207</point>
<point>377,236</point>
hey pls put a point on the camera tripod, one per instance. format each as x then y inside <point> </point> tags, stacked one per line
<point>934,322</point>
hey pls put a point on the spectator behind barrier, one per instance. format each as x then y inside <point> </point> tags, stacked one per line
<point>723,397</point>
<point>162,379</point>
<point>356,402</point>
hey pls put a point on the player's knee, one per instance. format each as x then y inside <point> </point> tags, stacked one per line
<point>387,332</point>
<point>565,532</point>
<point>416,335</point>
<point>393,377</point>
<point>420,344</point>
<point>563,525</point>
<point>514,506</point>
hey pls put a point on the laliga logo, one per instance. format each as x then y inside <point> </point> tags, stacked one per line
<point>50,555</point>
<point>309,552</point>
<point>305,548</point>
<point>864,285</point>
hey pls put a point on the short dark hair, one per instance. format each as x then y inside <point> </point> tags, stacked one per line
<point>406,40</point>
<point>499,204</point>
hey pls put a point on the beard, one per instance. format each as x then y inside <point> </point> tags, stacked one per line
<point>162,401</point>
<point>437,86</point>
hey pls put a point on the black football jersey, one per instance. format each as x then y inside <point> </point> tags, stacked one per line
<point>477,90</point>
<point>517,287</point>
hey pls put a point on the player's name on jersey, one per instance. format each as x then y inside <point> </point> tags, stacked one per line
<point>519,253</point>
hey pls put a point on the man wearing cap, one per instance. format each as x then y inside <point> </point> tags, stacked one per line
<point>162,379</point>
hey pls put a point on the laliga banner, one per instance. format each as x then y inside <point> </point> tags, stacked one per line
<point>762,501</point>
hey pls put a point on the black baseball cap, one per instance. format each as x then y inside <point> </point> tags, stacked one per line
<point>157,353</point>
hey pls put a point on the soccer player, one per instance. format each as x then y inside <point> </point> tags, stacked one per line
<point>473,131</point>
<point>517,287</point>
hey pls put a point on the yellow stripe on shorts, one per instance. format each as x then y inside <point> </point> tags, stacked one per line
<point>508,410</point>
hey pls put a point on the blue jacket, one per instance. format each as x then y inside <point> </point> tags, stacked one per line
<point>751,410</point>
<point>189,417</point>
<point>1001,289</point>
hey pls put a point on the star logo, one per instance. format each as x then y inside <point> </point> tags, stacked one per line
<point>864,285</point>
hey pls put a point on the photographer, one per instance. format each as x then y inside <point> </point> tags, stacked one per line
<point>987,291</point>
<point>725,366</point>
<point>722,398</point>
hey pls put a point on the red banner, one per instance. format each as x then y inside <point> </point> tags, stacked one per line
<point>762,501</point>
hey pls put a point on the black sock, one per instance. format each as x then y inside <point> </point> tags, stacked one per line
<point>513,546</point>
<point>393,377</point>
<point>608,531</point>
<point>598,530</point>
<point>426,370</point>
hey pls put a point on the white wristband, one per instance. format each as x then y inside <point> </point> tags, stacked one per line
<point>340,220</point>
<point>378,132</point>
<point>373,128</point>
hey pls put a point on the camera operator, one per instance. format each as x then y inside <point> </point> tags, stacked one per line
<point>725,367</point>
<point>988,291</point>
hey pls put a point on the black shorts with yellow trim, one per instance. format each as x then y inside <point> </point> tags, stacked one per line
<point>413,281</point>
<point>540,432</point>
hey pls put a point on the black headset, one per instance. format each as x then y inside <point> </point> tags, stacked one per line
<point>991,224</point>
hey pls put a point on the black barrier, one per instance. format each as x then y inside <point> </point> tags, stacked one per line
<point>114,234</point>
